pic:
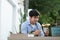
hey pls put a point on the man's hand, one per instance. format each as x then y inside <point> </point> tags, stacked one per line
<point>37,32</point>
<point>47,33</point>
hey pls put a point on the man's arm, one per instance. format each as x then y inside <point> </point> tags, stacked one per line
<point>36,33</point>
<point>24,28</point>
<point>40,28</point>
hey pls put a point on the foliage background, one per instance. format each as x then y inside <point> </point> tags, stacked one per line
<point>48,10</point>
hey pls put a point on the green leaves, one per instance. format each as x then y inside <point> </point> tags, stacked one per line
<point>48,9</point>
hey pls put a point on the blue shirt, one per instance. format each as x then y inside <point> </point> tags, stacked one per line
<point>26,28</point>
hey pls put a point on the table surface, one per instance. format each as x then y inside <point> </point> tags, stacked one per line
<point>25,37</point>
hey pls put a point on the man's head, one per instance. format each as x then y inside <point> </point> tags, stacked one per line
<point>34,16</point>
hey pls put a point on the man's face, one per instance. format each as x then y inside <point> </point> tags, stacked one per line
<point>34,19</point>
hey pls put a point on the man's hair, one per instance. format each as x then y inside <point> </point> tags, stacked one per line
<point>34,12</point>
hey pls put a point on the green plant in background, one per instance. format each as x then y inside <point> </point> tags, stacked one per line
<point>22,18</point>
<point>58,15</point>
<point>48,9</point>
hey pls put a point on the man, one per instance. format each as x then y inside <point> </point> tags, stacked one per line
<point>32,25</point>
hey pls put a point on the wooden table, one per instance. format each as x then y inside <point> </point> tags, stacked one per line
<point>25,37</point>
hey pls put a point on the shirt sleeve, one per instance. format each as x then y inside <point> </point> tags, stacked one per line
<point>23,28</point>
<point>40,28</point>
